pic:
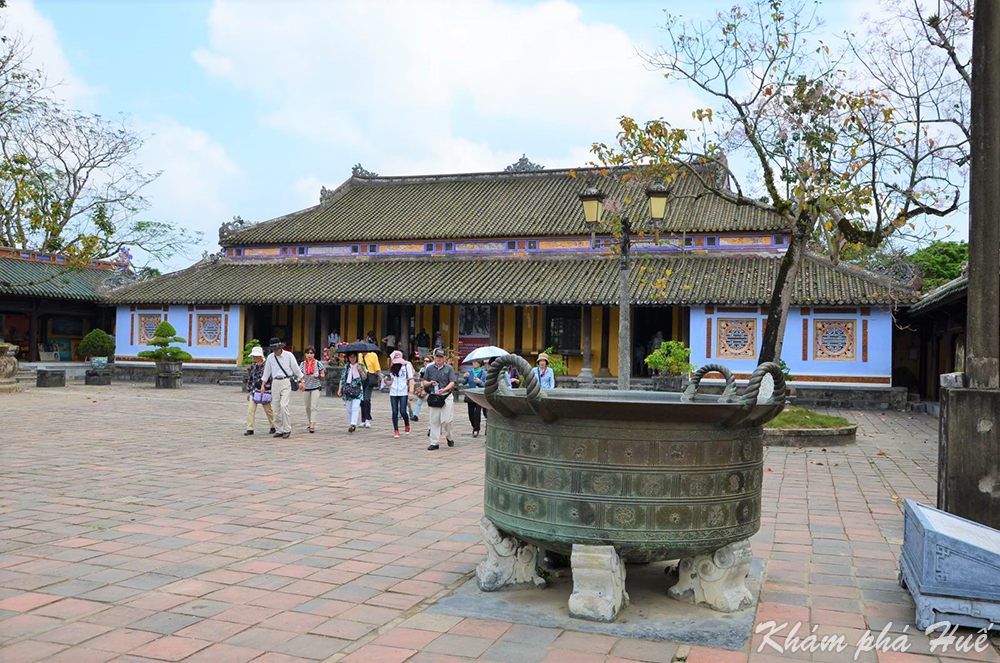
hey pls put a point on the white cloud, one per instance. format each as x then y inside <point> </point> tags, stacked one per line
<point>194,185</point>
<point>395,85</point>
<point>307,190</point>
<point>46,53</point>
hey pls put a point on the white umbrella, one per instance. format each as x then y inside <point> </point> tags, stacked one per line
<point>485,352</point>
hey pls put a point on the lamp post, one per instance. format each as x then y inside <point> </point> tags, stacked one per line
<point>593,204</point>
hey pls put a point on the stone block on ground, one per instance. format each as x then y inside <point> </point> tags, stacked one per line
<point>598,583</point>
<point>98,377</point>
<point>951,566</point>
<point>50,378</point>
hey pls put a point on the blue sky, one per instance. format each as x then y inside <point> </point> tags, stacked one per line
<point>249,107</point>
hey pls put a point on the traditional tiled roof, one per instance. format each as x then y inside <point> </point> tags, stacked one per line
<point>521,204</point>
<point>32,278</point>
<point>942,294</point>
<point>687,280</point>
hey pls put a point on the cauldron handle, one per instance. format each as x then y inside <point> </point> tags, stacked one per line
<point>749,397</point>
<point>728,393</point>
<point>531,386</point>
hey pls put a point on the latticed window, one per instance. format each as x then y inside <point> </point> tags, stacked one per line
<point>563,328</point>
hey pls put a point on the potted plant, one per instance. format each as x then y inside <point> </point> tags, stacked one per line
<point>670,366</point>
<point>99,346</point>
<point>334,365</point>
<point>168,358</point>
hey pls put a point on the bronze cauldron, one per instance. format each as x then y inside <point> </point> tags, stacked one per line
<point>656,475</point>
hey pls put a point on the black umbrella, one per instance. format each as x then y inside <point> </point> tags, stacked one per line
<point>358,346</point>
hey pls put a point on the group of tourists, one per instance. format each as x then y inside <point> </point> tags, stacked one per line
<point>271,380</point>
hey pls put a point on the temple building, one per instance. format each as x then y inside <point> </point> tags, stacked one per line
<point>47,304</point>
<point>507,258</point>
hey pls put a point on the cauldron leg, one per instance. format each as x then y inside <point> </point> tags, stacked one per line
<point>716,579</point>
<point>598,583</point>
<point>509,563</point>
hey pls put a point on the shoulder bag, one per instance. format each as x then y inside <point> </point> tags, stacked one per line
<point>293,382</point>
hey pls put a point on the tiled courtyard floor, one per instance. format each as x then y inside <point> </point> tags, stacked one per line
<point>140,525</point>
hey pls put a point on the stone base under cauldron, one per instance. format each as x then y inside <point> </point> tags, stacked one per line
<point>650,615</point>
<point>98,377</point>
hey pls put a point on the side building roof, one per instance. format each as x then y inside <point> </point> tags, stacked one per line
<point>683,280</point>
<point>33,278</point>
<point>525,204</point>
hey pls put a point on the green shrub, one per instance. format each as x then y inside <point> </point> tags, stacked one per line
<point>98,343</point>
<point>670,359</point>
<point>799,417</point>
<point>246,361</point>
<point>164,335</point>
<point>785,370</point>
<point>556,363</point>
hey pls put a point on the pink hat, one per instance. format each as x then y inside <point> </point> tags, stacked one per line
<point>397,357</point>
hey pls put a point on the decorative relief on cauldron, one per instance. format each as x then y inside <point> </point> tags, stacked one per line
<point>673,517</point>
<point>745,511</point>
<point>698,485</point>
<point>580,514</point>
<point>503,500</point>
<point>552,479</point>
<point>627,516</point>
<point>517,473</point>
<point>746,451</point>
<point>649,485</point>
<point>535,447</point>
<point>716,515</point>
<point>602,483</point>
<point>733,483</point>
<point>629,453</point>
<point>755,476</point>
<point>531,507</point>
<point>677,453</point>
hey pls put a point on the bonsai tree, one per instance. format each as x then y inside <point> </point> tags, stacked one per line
<point>97,343</point>
<point>670,359</point>
<point>164,335</point>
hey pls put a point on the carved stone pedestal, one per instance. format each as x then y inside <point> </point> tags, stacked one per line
<point>97,377</point>
<point>509,563</point>
<point>8,369</point>
<point>598,583</point>
<point>717,580</point>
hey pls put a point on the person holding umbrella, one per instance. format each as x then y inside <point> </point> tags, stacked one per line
<point>278,370</point>
<point>351,389</point>
<point>475,378</point>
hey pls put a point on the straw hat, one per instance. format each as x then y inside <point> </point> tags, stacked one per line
<point>257,351</point>
<point>541,357</point>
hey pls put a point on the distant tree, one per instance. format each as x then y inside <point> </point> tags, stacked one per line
<point>823,143</point>
<point>69,181</point>
<point>940,262</point>
<point>523,165</point>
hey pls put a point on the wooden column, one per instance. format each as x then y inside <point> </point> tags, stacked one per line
<point>519,330</point>
<point>586,373</point>
<point>604,371</point>
<point>33,332</point>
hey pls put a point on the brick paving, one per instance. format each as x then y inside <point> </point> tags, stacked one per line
<point>138,525</point>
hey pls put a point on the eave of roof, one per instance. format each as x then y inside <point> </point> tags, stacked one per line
<point>679,280</point>
<point>941,295</point>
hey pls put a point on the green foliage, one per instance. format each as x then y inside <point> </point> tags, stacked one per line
<point>799,417</point>
<point>940,262</point>
<point>785,370</point>
<point>556,362</point>
<point>97,343</point>
<point>164,335</point>
<point>251,344</point>
<point>670,359</point>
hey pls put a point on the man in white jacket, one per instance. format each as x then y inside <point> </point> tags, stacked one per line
<point>280,367</point>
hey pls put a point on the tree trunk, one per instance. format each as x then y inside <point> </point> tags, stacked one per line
<point>781,296</point>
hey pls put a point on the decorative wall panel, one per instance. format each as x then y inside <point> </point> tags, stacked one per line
<point>147,327</point>
<point>209,330</point>
<point>737,338</point>
<point>834,340</point>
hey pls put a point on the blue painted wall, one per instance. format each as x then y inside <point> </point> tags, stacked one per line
<point>186,323</point>
<point>876,371</point>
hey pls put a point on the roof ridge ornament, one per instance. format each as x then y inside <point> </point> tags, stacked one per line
<point>231,227</point>
<point>523,165</point>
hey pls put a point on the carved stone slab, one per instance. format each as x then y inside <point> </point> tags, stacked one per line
<point>598,583</point>
<point>717,579</point>
<point>951,567</point>
<point>509,563</point>
<point>97,377</point>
